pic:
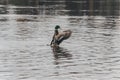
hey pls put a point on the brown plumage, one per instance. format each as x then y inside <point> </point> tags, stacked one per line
<point>59,37</point>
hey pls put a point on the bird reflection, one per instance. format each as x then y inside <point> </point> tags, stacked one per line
<point>60,52</point>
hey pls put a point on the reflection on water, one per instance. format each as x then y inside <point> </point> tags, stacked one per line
<point>92,52</point>
<point>51,7</point>
<point>60,52</point>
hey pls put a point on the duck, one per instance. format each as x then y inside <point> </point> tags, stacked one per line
<point>59,37</point>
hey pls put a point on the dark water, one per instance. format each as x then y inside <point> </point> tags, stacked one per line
<point>92,52</point>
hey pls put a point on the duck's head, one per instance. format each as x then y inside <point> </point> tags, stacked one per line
<point>57,27</point>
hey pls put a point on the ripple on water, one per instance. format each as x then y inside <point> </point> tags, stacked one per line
<point>92,52</point>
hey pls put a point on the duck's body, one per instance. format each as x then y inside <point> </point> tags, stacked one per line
<point>59,37</point>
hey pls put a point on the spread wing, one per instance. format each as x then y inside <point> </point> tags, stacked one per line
<point>63,36</point>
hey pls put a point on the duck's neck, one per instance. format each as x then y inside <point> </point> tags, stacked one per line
<point>56,32</point>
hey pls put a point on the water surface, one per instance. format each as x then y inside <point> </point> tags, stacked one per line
<point>92,52</point>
